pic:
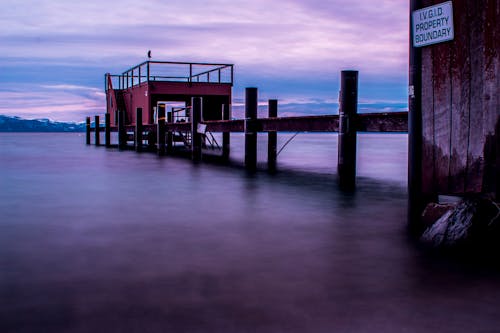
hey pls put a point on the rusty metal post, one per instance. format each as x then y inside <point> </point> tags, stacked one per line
<point>138,129</point>
<point>122,133</point>
<point>346,167</point>
<point>97,131</point>
<point>87,127</point>
<point>272,136</point>
<point>107,133</point>
<point>160,130</point>
<point>250,130</point>
<point>195,137</point>
<point>170,136</point>
<point>226,136</point>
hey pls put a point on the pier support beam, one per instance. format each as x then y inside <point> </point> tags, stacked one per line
<point>416,203</point>
<point>272,136</point>
<point>170,136</point>
<point>160,130</point>
<point>348,100</point>
<point>107,130</point>
<point>97,131</point>
<point>226,136</point>
<point>195,137</point>
<point>87,126</point>
<point>138,129</point>
<point>122,133</point>
<point>250,131</point>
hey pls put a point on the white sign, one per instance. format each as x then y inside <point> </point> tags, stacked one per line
<point>202,128</point>
<point>433,24</point>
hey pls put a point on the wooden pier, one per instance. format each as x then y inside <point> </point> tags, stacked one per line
<point>453,120</point>
<point>152,128</point>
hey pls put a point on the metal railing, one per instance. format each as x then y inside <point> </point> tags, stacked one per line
<point>173,72</point>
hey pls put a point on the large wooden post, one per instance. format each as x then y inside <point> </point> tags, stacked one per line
<point>122,133</point>
<point>226,136</point>
<point>138,129</point>
<point>107,131</point>
<point>414,129</point>
<point>97,131</point>
<point>250,131</point>
<point>346,167</point>
<point>272,136</point>
<point>160,129</point>
<point>170,136</point>
<point>87,127</point>
<point>195,137</point>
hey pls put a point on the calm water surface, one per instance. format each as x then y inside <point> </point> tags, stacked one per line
<point>97,240</point>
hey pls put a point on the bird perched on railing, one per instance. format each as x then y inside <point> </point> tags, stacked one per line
<point>149,54</point>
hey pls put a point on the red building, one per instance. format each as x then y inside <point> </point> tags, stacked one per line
<point>173,84</point>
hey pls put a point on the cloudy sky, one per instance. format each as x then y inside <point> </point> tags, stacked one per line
<point>54,53</point>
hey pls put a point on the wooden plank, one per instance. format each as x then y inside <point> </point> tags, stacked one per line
<point>328,123</point>
<point>491,114</point>
<point>383,122</point>
<point>442,115</point>
<point>427,123</point>
<point>372,122</point>
<point>460,92</point>
<point>475,158</point>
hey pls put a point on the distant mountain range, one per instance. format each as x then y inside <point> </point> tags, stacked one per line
<point>16,124</point>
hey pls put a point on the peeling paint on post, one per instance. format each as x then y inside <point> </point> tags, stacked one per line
<point>170,136</point>
<point>97,131</point>
<point>87,126</point>
<point>160,130</point>
<point>250,132</point>
<point>195,137</point>
<point>272,136</point>
<point>107,131</point>
<point>226,136</point>
<point>346,167</point>
<point>122,133</point>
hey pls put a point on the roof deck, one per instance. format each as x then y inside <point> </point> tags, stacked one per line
<point>171,71</point>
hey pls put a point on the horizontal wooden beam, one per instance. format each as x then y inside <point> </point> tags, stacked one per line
<point>383,122</point>
<point>368,122</point>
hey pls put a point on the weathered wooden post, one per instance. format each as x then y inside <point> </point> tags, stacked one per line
<point>170,136</point>
<point>160,130</point>
<point>97,131</point>
<point>195,136</point>
<point>415,201</point>
<point>348,100</point>
<point>226,136</point>
<point>107,131</point>
<point>250,130</point>
<point>87,126</point>
<point>122,133</point>
<point>138,129</point>
<point>272,136</point>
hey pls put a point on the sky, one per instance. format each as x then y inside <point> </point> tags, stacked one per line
<point>54,53</point>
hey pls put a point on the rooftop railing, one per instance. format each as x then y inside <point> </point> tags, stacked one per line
<point>173,72</point>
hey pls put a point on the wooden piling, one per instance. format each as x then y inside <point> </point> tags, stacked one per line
<point>97,131</point>
<point>195,137</point>
<point>226,136</point>
<point>138,129</point>
<point>170,136</point>
<point>272,136</point>
<point>250,131</point>
<point>87,126</point>
<point>346,166</point>
<point>107,130</point>
<point>160,130</point>
<point>122,133</point>
<point>415,130</point>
